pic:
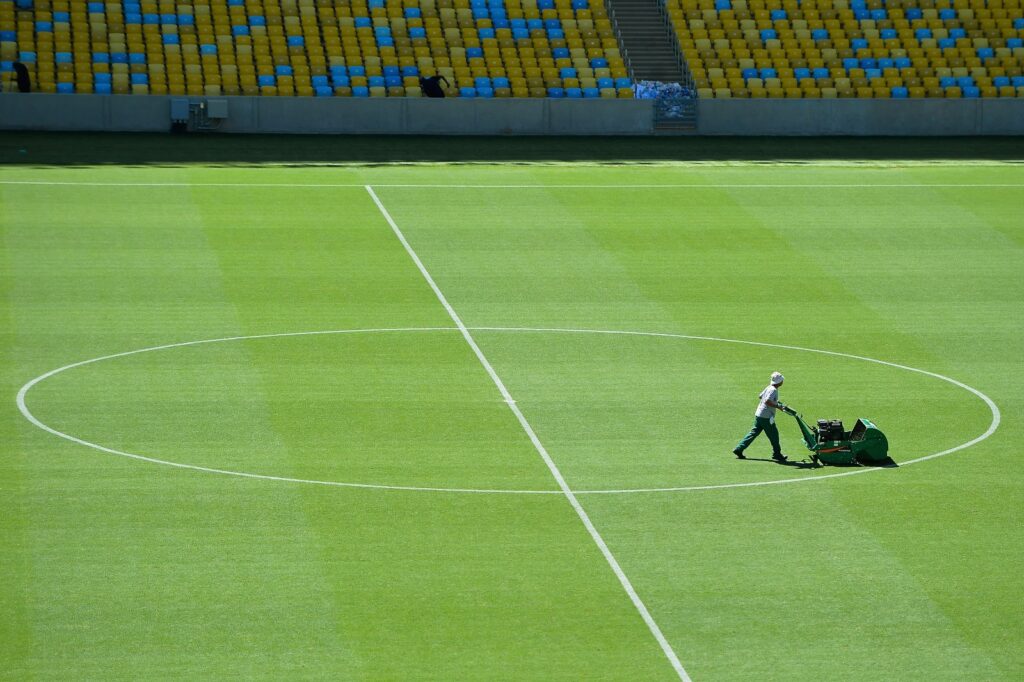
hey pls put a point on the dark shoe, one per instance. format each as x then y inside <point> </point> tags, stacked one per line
<point>739,454</point>
<point>779,457</point>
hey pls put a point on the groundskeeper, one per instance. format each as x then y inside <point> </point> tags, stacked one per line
<point>764,419</point>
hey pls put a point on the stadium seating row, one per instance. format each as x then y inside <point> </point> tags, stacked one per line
<point>852,48</point>
<point>360,48</point>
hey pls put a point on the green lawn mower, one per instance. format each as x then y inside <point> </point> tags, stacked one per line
<point>830,444</point>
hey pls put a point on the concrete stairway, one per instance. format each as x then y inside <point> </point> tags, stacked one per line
<point>649,46</point>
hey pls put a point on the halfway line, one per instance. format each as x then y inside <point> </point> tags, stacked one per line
<point>552,467</point>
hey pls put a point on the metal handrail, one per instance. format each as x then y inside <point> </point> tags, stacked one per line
<point>618,34</point>
<point>669,30</point>
<point>684,67</point>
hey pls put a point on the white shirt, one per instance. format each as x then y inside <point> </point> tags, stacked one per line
<point>763,409</point>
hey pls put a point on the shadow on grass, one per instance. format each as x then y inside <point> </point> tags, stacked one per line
<point>90,149</point>
<point>808,464</point>
<point>796,464</point>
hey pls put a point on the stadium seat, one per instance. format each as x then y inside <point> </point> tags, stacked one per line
<point>880,49</point>
<point>348,48</point>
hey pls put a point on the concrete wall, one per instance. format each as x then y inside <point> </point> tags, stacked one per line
<point>523,116</point>
<point>337,115</point>
<point>942,117</point>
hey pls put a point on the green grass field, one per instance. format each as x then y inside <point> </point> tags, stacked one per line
<point>366,504</point>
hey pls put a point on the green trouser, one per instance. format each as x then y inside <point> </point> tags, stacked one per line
<point>762,424</point>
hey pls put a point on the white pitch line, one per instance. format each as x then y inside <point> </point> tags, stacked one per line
<point>23,407</point>
<point>552,467</point>
<point>301,185</point>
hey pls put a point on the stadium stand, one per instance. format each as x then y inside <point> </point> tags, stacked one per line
<point>852,48</point>
<point>357,48</point>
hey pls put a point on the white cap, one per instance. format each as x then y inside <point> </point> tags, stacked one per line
<point>777,378</point>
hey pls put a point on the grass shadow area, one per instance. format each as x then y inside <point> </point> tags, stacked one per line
<point>796,464</point>
<point>140,149</point>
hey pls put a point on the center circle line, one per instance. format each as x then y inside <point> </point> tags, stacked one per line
<point>23,408</point>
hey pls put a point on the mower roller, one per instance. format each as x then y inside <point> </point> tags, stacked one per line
<point>830,444</point>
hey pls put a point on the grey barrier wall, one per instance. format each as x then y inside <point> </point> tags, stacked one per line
<point>337,115</point>
<point>942,117</point>
<point>522,116</point>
